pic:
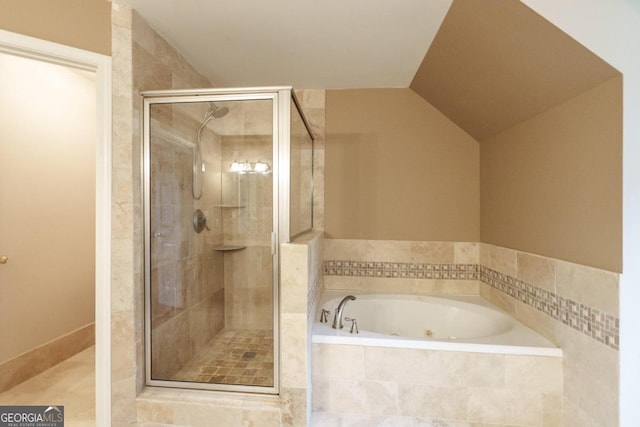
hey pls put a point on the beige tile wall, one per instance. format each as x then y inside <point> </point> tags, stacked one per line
<point>489,389</point>
<point>249,272</point>
<point>590,367</point>
<point>301,277</point>
<point>142,60</point>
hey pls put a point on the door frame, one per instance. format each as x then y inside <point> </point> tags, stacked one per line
<point>30,47</point>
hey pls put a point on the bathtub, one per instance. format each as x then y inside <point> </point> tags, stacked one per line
<point>451,323</point>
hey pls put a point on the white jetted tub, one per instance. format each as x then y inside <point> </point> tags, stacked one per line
<point>453,323</point>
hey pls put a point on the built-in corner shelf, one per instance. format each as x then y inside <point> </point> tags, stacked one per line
<point>228,248</point>
<point>229,206</point>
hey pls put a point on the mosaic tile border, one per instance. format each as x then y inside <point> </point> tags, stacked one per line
<point>596,324</point>
<point>602,327</point>
<point>401,270</point>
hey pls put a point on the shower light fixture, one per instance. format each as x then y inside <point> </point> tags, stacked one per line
<point>247,167</point>
<point>261,167</point>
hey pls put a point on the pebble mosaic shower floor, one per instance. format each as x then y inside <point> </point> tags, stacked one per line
<point>242,357</point>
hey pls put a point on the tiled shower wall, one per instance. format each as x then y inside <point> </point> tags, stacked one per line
<point>187,306</point>
<point>247,220</point>
<point>574,306</point>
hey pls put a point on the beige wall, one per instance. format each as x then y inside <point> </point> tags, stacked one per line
<point>48,130</point>
<point>85,24</point>
<point>552,185</point>
<point>397,169</point>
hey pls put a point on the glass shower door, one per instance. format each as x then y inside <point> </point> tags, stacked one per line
<point>210,289</point>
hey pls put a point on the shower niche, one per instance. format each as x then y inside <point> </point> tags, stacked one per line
<point>227,177</point>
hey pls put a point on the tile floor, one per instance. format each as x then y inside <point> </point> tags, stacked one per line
<point>70,384</point>
<point>233,357</point>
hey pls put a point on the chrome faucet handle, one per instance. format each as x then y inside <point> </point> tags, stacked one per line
<point>324,316</point>
<point>354,325</point>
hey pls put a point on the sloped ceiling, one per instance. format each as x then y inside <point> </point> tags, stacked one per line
<point>496,63</point>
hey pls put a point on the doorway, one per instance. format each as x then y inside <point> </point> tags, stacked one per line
<point>55,169</point>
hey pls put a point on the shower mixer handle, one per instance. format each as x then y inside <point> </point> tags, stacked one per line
<point>200,221</point>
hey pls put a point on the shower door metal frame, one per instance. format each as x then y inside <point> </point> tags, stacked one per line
<point>281,98</point>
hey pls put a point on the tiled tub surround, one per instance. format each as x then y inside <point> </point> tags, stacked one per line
<point>535,292</point>
<point>574,306</point>
<point>585,325</point>
<point>433,387</point>
<point>601,326</point>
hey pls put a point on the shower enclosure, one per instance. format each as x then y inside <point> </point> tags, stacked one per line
<point>227,177</point>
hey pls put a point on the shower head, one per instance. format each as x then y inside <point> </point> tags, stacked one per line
<point>217,112</point>
<point>214,112</point>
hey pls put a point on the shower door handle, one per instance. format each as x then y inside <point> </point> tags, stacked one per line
<point>274,242</point>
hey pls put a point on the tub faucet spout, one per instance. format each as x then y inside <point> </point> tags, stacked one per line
<point>337,318</point>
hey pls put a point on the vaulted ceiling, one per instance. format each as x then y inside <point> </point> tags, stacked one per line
<point>486,65</point>
<point>496,63</point>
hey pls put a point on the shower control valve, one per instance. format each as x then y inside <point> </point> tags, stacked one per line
<point>200,221</point>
